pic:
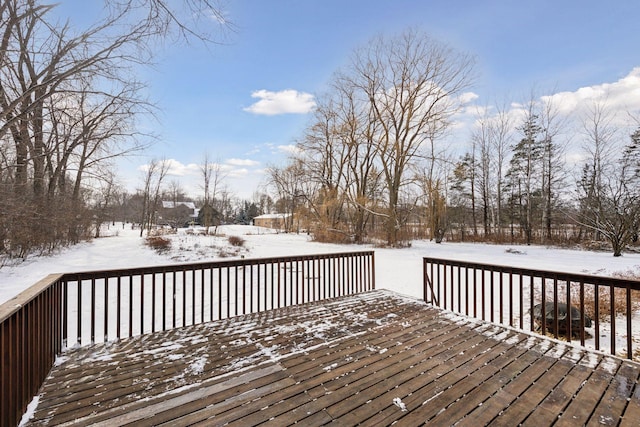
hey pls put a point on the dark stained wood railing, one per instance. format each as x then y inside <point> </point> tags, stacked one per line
<point>508,295</point>
<point>84,308</point>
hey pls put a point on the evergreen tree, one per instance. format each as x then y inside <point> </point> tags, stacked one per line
<point>523,175</point>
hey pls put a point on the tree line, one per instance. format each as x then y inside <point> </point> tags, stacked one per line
<point>69,105</point>
<point>377,163</point>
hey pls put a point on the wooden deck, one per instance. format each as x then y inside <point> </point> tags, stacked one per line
<point>372,359</point>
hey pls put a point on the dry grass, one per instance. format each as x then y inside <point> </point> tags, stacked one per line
<point>604,302</point>
<point>327,235</point>
<point>605,297</point>
<point>236,241</point>
<point>159,244</point>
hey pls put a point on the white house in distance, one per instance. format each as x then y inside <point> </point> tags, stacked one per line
<point>277,221</point>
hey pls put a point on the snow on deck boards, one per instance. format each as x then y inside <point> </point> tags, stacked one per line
<point>372,359</point>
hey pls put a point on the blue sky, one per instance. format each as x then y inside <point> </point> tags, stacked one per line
<point>246,101</point>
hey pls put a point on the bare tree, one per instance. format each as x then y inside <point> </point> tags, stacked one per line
<point>481,152</point>
<point>412,82</point>
<point>500,133</point>
<point>104,198</point>
<point>553,168</point>
<point>212,179</point>
<point>68,98</point>
<point>289,183</point>
<point>609,189</point>
<point>151,192</point>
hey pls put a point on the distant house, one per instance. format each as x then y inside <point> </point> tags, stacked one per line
<point>277,221</point>
<point>177,214</point>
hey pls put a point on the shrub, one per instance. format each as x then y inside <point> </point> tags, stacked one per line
<point>159,244</point>
<point>236,241</point>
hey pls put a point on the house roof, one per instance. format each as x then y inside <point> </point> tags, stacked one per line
<point>170,205</point>
<point>273,216</point>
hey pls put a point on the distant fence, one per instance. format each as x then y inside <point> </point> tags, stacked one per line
<point>90,307</point>
<point>539,300</point>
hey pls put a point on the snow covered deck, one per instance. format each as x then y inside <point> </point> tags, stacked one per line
<point>373,358</point>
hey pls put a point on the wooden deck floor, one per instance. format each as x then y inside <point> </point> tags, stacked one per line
<point>373,359</point>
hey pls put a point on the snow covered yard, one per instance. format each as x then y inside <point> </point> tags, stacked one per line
<point>396,269</point>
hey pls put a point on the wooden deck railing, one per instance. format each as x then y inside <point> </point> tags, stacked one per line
<point>85,308</point>
<point>512,296</point>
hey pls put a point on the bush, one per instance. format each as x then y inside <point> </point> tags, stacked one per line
<point>159,244</point>
<point>325,235</point>
<point>236,241</point>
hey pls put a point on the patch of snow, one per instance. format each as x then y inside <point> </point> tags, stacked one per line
<point>400,404</point>
<point>512,340</point>
<point>590,360</point>
<point>197,366</point>
<point>330,367</point>
<point>557,351</point>
<point>432,397</point>
<point>531,342</point>
<point>60,360</point>
<point>610,365</point>
<point>164,348</point>
<point>30,412</point>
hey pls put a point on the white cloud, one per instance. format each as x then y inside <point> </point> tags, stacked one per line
<point>468,97</point>
<point>240,176</point>
<point>242,162</point>
<point>289,149</point>
<point>622,95</point>
<point>176,168</point>
<point>283,102</point>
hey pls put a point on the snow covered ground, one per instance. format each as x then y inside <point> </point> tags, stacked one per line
<point>396,269</point>
<point>399,270</point>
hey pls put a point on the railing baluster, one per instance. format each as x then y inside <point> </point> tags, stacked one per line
<point>173,301</point>
<point>93,311</point>
<point>118,307</point>
<point>629,316</point>
<point>211,294</point>
<point>556,323</point>
<point>501,281</point>
<point>569,314</point>
<point>142,303</point>
<point>521,299</point>
<point>250,287</point>
<point>597,314</point>
<point>193,297</point>
<point>511,298</point>
<point>184,297</point>
<point>612,308</point>
<point>235,287</point>
<point>582,312</point>
<point>106,308</point>
<point>131,305</point>
<point>164,301</point>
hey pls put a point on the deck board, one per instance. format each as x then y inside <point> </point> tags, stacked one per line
<point>376,358</point>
